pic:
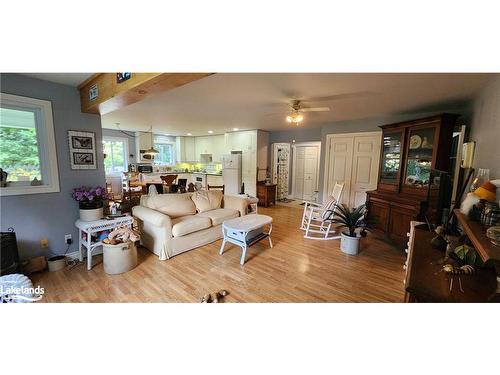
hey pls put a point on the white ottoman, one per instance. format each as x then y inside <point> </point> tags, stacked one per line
<point>119,258</point>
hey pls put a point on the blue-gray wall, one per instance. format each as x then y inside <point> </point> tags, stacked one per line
<point>305,134</point>
<point>51,215</point>
<point>485,130</point>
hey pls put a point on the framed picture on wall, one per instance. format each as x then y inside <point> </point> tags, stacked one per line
<point>82,149</point>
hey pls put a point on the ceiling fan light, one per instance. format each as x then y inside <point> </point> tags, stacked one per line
<point>295,117</point>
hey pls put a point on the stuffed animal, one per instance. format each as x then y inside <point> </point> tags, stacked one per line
<point>214,297</point>
<point>486,191</point>
<point>122,234</point>
<point>470,200</point>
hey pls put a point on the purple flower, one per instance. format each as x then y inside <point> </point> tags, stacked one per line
<point>90,194</point>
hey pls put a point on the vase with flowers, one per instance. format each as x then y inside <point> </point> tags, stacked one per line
<point>90,201</point>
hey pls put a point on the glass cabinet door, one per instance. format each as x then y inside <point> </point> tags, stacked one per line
<point>391,157</point>
<point>419,159</point>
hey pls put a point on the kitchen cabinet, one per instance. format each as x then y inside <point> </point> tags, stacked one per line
<point>210,144</point>
<point>180,149</point>
<point>143,142</point>
<point>190,149</point>
<point>218,148</point>
<point>214,180</point>
<point>185,149</point>
<point>202,146</point>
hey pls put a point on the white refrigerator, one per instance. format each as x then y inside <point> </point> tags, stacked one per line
<point>231,173</point>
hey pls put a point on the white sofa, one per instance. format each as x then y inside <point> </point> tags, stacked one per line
<point>171,224</point>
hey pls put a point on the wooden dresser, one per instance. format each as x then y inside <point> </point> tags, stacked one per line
<point>425,282</point>
<point>409,151</point>
<point>266,194</point>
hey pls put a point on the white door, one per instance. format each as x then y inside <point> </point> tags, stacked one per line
<point>298,178</point>
<point>305,173</point>
<point>365,163</point>
<point>340,165</point>
<point>353,159</point>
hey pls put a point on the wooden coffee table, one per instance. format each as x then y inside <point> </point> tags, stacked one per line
<point>246,231</point>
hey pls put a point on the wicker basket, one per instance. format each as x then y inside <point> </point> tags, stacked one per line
<point>119,258</point>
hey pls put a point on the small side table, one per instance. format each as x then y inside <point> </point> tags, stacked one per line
<point>92,227</point>
<point>266,194</point>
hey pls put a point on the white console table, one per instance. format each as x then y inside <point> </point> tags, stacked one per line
<point>92,227</point>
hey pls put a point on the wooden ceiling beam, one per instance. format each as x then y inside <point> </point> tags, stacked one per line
<point>112,95</point>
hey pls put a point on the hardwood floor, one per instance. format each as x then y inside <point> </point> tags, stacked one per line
<point>294,270</point>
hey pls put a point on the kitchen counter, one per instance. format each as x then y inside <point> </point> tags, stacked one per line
<point>204,173</point>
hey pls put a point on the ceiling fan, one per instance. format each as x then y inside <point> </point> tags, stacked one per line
<point>297,107</point>
<point>296,117</point>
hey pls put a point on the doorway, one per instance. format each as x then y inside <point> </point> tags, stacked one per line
<point>305,172</point>
<point>352,159</point>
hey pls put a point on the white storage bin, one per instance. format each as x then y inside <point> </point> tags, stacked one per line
<point>119,258</point>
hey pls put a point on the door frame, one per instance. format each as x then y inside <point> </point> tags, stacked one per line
<point>327,154</point>
<point>294,162</point>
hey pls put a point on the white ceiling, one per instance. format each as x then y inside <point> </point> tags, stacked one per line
<point>70,79</point>
<point>225,101</point>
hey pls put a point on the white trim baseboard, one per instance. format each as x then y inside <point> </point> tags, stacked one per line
<point>76,254</point>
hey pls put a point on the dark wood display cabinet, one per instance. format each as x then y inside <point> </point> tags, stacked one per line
<point>409,151</point>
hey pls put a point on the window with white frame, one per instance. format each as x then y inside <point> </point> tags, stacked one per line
<point>115,155</point>
<point>27,146</point>
<point>166,150</point>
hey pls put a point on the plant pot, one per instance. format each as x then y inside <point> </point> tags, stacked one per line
<point>348,244</point>
<point>91,212</point>
<point>56,263</point>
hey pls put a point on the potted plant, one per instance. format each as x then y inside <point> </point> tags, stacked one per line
<point>351,219</point>
<point>91,202</point>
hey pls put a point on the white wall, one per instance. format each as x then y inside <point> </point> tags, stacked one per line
<point>485,130</point>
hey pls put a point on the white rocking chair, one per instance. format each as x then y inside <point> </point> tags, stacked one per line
<point>317,219</point>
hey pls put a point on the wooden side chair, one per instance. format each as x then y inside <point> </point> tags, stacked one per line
<point>131,196</point>
<point>317,219</point>
<point>159,187</point>
<point>216,187</point>
<point>168,181</point>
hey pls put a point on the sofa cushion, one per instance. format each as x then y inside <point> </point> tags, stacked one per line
<point>173,205</point>
<point>207,200</point>
<point>219,215</point>
<point>188,224</point>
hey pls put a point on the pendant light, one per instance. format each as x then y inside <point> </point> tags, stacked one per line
<point>152,151</point>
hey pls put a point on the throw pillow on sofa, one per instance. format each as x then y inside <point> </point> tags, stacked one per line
<point>173,205</point>
<point>207,200</point>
